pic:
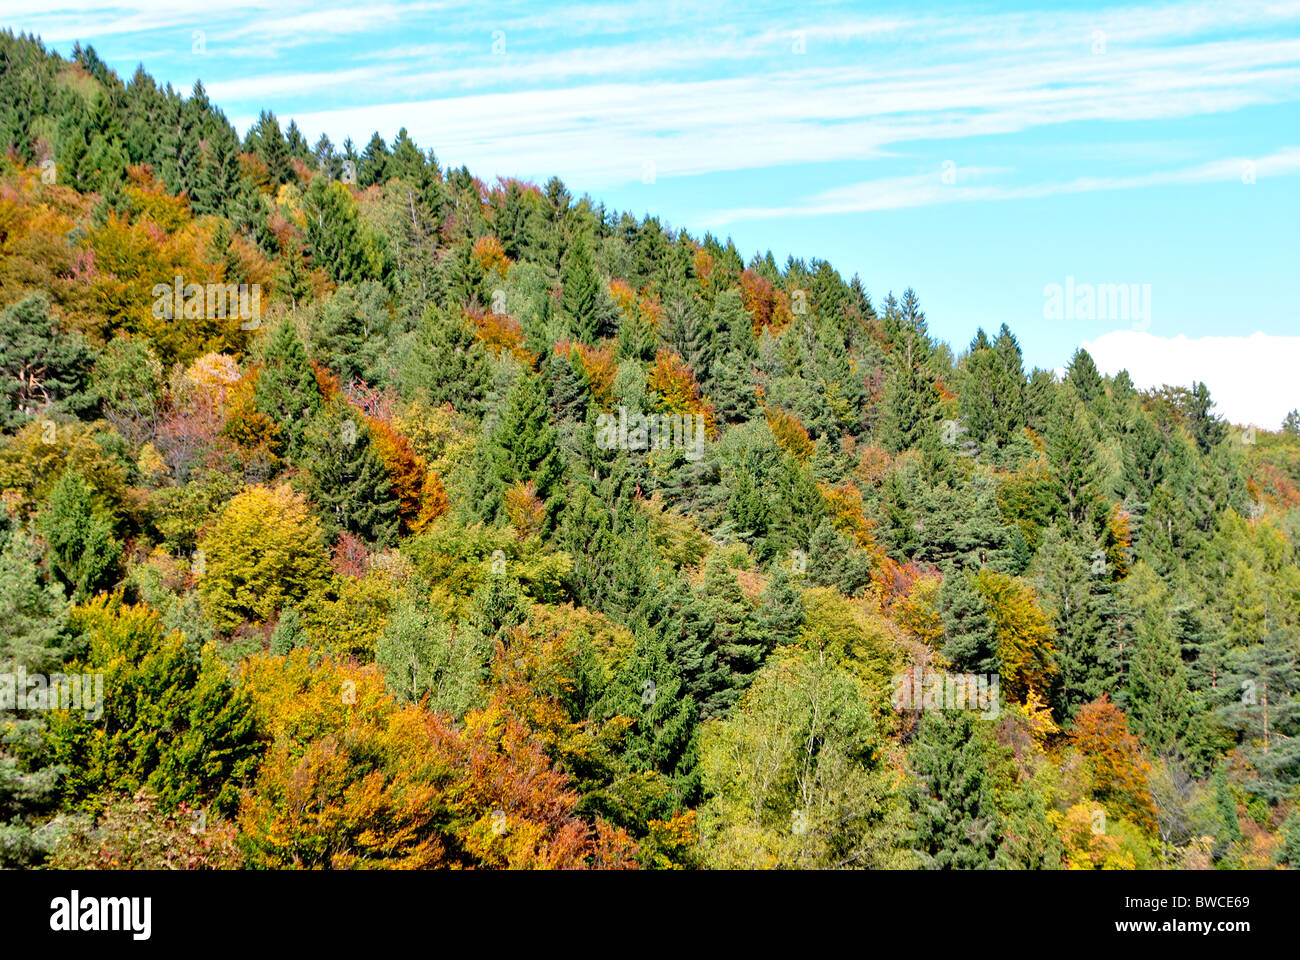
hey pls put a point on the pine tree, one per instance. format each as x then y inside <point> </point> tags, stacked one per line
<point>269,145</point>
<point>448,364</point>
<point>83,551</point>
<point>286,390</point>
<point>374,162</point>
<point>1081,373</point>
<point>43,368</point>
<point>1159,699</point>
<point>955,817</point>
<point>1208,428</point>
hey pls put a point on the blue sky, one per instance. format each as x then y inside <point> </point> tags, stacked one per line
<point>977,154</point>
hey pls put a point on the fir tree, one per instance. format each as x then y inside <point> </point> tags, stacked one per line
<point>347,479</point>
<point>286,390</point>
<point>955,817</point>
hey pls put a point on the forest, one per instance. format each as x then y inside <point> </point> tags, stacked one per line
<point>358,513</point>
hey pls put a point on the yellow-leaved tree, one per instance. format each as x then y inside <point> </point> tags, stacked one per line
<point>263,552</point>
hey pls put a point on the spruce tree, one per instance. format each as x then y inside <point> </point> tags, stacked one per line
<point>286,390</point>
<point>955,818</point>
<point>447,364</point>
<point>82,549</point>
<point>970,638</point>
<point>583,302</point>
<point>347,479</point>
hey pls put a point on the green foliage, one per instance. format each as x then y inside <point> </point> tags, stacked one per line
<point>83,550</point>
<point>169,724</point>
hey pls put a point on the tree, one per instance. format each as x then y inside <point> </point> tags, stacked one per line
<point>970,639</point>
<point>173,725</point>
<point>1291,424</point>
<point>286,390</point>
<point>32,618</point>
<point>83,550</point>
<point>780,613</point>
<point>521,448</point>
<point>264,552</point>
<point>796,778</point>
<point>1119,769</point>
<point>347,479</point>
<point>43,368</point>
<point>955,818</point>
<point>447,364</point>
<point>1208,428</point>
<point>584,303</point>
<point>736,633</point>
<point>426,660</point>
<point>911,399</point>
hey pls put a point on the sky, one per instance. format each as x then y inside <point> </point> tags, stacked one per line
<point>1012,162</point>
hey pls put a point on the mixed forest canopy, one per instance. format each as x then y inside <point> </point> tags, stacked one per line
<point>303,456</point>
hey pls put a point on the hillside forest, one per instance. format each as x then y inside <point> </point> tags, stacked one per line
<point>381,517</point>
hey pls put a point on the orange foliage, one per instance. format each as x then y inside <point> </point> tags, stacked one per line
<point>873,464</point>
<point>790,434</point>
<point>1119,770</point>
<point>525,509</point>
<point>767,305</point>
<point>491,256</point>
<point>501,332</point>
<point>353,780</point>
<point>597,365</point>
<point>848,512</point>
<point>673,383</point>
<point>406,471</point>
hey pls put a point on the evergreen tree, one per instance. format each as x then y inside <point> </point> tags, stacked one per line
<point>82,549</point>
<point>955,817</point>
<point>374,162</point>
<point>286,390</point>
<point>1207,428</point>
<point>447,364</point>
<point>781,612</point>
<point>43,368</point>
<point>736,633</point>
<point>970,637</point>
<point>32,617</point>
<point>521,448</point>
<point>584,303</point>
<point>911,399</point>
<point>347,479</point>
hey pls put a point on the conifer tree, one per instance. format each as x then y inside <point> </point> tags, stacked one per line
<point>83,551</point>
<point>781,612</point>
<point>970,638</point>
<point>347,479</point>
<point>955,818</point>
<point>447,364</point>
<point>286,390</point>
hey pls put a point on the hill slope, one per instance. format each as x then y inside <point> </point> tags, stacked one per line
<point>414,521</point>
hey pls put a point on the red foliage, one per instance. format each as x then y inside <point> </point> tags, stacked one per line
<point>350,556</point>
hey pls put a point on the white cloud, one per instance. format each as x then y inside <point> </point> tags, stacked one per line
<point>1251,379</point>
<point>928,189</point>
